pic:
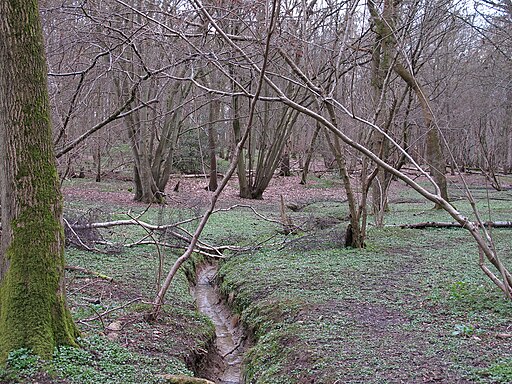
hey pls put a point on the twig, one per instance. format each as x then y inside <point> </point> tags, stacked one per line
<point>201,250</point>
<point>157,245</point>
<point>78,238</point>
<point>100,315</point>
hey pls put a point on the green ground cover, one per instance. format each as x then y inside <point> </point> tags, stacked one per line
<point>139,352</point>
<point>412,307</point>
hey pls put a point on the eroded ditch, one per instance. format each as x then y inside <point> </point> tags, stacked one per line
<point>224,362</point>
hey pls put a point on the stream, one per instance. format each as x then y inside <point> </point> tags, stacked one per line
<point>224,365</point>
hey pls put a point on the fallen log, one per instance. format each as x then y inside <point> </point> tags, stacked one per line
<point>89,272</point>
<point>182,379</point>
<point>441,224</point>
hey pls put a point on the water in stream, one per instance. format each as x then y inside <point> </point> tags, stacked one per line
<point>226,366</point>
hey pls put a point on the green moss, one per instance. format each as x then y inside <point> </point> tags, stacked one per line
<point>34,313</point>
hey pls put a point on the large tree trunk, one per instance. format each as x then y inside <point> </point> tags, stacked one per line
<point>355,234</point>
<point>382,57</point>
<point>146,189</point>
<point>356,231</point>
<point>33,311</point>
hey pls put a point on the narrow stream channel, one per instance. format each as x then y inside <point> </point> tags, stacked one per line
<point>225,366</point>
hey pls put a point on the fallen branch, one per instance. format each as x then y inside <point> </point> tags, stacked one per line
<point>117,223</point>
<point>203,250</point>
<point>89,272</point>
<point>504,335</point>
<point>172,229</point>
<point>441,224</point>
<point>101,315</point>
<point>80,242</point>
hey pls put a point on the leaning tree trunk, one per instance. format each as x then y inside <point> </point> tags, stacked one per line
<point>384,26</point>
<point>33,311</point>
<point>434,152</point>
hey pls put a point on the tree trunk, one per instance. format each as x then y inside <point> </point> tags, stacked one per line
<point>146,190</point>
<point>164,153</point>
<point>381,61</point>
<point>508,131</point>
<point>241,168</point>
<point>272,144</point>
<point>284,165</point>
<point>435,157</point>
<point>309,155</point>
<point>97,160</point>
<point>508,168</point>
<point>212,147</point>
<point>33,311</point>
<point>355,234</point>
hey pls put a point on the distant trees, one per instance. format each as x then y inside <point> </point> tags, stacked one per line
<point>415,68</point>
<point>33,311</point>
<point>441,52</point>
<point>185,71</point>
<point>491,106</point>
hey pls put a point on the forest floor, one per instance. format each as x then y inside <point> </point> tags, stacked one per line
<point>412,307</point>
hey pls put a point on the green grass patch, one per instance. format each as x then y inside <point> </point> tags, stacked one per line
<point>98,360</point>
<point>412,305</point>
<point>499,372</point>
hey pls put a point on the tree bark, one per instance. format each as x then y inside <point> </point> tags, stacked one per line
<point>435,158</point>
<point>33,311</point>
<point>508,131</point>
<point>241,167</point>
<point>309,155</point>
<point>443,224</point>
<point>212,146</point>
<point>382,58</point>
<point>355,234</point>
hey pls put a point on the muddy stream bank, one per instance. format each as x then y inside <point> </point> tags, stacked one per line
<point>223,365</point>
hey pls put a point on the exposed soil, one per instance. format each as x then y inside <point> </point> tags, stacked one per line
<point>192,193</point>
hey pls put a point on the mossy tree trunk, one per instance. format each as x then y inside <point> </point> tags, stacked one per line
<point>33,311</point>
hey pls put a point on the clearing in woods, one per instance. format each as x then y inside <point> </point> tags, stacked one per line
<point>412,307</point>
